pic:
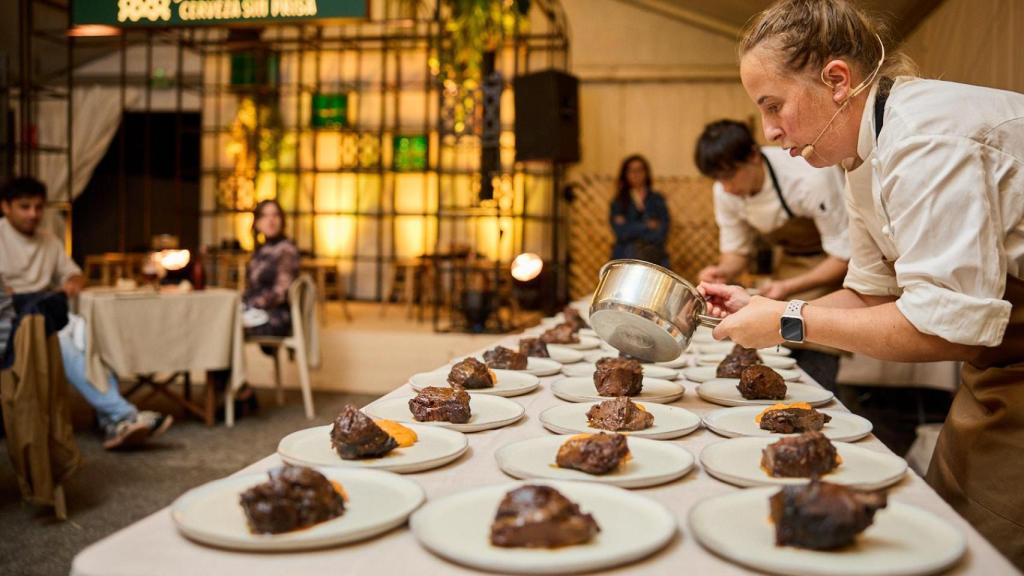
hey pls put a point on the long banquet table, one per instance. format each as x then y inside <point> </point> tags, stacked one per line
<point>153,546</point>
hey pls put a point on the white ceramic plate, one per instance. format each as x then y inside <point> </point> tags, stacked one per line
<point>669,421</point>
<point>486,412</point>
<point>581,389</point>
<point>739,421</point>
<point>723,391</point>
<point>435,447</point>
<point>702,335</point>
<point>738,461</point>
<point>377,502</point>
<point>510,382</point>
<point>650,370</point>
<point>705,373</point>
<point>903,540</point>
<point>458,527</point>
<point>681,361</point>
<point>542,366</point>
<point>588,332</point>
<point>652,462</point>
<point>726,347</point>
<point>768,360</point>
<point>585,343</point>
<point>564,355</point>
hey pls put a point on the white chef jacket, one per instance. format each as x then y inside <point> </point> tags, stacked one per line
<point>937,207</point>
<point>809,192</point>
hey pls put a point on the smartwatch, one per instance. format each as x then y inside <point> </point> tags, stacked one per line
<point>791,325</point>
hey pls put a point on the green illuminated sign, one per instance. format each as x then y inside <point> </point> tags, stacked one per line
<point>410,153</point>
<point>329,110</point>
<point>133,13</point>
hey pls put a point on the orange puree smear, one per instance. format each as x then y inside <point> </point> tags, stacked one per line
<point>773,407</point>
<point>340,490</point>
<point>404,436</point>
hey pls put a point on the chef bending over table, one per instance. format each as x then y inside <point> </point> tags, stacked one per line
<point>935,174</point>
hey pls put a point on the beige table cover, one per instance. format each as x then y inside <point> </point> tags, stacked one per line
<point>862,370</point>
<point>148,332</point>
<point>153,546</point>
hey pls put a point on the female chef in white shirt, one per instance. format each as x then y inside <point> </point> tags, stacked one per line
<point>795,208</point>
<point>936,202</point>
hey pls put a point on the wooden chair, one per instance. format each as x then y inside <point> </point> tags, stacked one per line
<point>303,342</point>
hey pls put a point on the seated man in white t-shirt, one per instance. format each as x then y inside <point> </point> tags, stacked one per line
<point>794,207</point>
<point>33,260</point>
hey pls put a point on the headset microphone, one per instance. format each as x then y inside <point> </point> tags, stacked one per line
<point>808,151</point>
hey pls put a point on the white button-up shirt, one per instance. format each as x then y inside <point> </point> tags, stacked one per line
<point>809,192</point>
<point>937,208</point>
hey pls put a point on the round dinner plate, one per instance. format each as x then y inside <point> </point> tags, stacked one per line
<point>703,335</point>
<point>738,461</point>
<point>726,347</point>
<point>581,389</point>
<point>510,382</point>
<point>669,421</point>
<point>585,343</point>
<point>903,540</point>
<point>650,370</point>
<point>457,527</point>
<point>652,462</point>
<point>486,412</point>
<point>739,421</point>
<point>680,361</point>
<point>541,366</point>
<point>564,355</point>
<point>767,359</point>
<point>705,373</point>
<point>377,502</point>
<point>723,391</point>
<point>435,447</point>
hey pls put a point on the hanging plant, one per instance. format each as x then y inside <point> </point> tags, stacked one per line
<point>474,27</point>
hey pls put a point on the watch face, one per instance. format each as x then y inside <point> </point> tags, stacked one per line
<point>792,329</point>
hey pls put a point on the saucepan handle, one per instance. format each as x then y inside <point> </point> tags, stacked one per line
<point>709,321</point>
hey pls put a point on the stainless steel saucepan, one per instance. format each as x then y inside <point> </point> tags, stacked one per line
<point>646,311</point>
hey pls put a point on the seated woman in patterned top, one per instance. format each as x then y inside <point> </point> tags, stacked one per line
<point>273,267</point>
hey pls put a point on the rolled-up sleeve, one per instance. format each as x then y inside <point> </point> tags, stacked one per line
<point>944,219</point>
<point>735,236</point>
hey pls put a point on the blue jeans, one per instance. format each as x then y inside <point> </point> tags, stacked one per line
<point>110,406</point>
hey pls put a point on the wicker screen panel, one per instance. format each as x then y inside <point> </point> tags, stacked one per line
<point>692,239</point>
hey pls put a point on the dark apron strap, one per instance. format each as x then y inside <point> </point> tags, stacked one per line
<point>881,96</point>
<point>775,183</point>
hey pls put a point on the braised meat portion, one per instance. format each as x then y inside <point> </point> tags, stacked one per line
<point>535,516</point>
<point>471,374</point>
<point>534,347</point>
<point>561,334</point>
<point>733,364</point>
<point>810,454</point>
<point>355,435</point>
<point>505,359</point>
<point>437,404</point>
<point>821,515</point>
<point>618,377</point>
<point>760,382</point>
<point>574,319</point>
<point>790,418</point>
<point>593,453</point>
<point>619,414</point>
<point>294,497</point>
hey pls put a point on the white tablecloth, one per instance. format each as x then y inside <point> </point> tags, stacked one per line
<point>144,333</point>
<point>153,546</point>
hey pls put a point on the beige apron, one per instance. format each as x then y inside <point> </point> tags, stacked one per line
<point>978,465</point>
